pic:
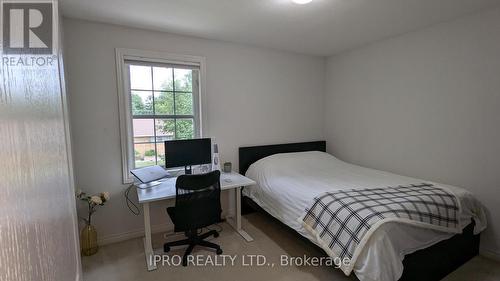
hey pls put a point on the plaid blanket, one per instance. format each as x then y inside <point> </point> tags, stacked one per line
<point>343,220</point>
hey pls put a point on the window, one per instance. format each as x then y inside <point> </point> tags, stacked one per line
<point>162,105</point>
<point>159,101</point>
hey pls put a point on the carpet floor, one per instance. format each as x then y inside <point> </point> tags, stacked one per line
<point>125,261</point>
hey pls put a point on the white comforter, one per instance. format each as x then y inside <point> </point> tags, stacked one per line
<point>287,184</point>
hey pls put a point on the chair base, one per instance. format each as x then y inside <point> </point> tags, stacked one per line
<point>193,239</point>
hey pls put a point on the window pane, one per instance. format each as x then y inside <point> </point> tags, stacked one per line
<point>184,103</point>
<point>185,128</point>
<point>145,155</point>
<point>164,103</point>
<point>165,129</point>
<point>183,79</point>
<point>163,78</point>
<point>143,130</point>
<point>160,153</point>
<point>142,103</point>
<point>140,77</point>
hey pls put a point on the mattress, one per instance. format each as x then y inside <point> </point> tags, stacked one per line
<point>288,183</point>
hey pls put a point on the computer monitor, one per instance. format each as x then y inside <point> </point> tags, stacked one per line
<point>184,153</point>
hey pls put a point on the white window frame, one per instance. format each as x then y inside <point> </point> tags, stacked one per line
<point>124,103</point>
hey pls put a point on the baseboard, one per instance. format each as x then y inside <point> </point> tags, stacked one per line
<point>137,233</point>
<point>490,254</point>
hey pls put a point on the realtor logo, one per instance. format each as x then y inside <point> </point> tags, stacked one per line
<point>27,28</point>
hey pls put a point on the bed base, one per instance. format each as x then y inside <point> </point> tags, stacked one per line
<point>430,264</point>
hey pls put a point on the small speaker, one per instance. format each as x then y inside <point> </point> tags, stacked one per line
<point>215,158</point>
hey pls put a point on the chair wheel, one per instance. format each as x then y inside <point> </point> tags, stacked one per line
<point>166,248</point>
<point>219,251</point>
<point>216,234</point>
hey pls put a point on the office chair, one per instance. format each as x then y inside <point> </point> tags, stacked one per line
<point>197,205</point>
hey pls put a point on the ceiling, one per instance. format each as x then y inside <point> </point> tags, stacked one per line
<point>323,27</point>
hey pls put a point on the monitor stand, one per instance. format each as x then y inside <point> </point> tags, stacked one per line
<point>188,170</point>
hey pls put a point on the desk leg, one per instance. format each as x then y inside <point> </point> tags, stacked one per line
<point>148,246</point>
<point>237,224</point>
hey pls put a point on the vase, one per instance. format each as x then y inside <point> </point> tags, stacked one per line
<point>88,240</point>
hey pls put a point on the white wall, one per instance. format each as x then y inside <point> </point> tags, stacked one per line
<point>425,104</point>
<point>254,96</point>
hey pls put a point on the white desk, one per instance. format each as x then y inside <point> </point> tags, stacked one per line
<point>166,190</point>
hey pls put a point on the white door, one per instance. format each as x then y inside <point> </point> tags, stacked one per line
<point>38,235</point>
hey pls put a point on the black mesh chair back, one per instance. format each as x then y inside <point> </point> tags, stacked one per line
<point>197,201</point>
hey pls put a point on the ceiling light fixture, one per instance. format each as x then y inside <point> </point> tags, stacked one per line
<point>301,2</point>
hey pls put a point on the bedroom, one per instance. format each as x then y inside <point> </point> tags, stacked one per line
<point>407,87</point>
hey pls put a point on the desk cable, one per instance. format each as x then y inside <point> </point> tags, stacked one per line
<point>134,209</point>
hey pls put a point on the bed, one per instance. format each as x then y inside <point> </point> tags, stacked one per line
<point>290,176</point>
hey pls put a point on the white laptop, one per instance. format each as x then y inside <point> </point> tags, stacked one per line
<point>149,174</point>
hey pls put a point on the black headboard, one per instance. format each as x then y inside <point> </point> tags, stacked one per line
<point>250,154</point>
